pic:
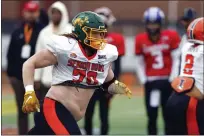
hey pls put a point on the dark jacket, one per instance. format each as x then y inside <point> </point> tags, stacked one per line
<point>15,62</point>
<point>43,17</point>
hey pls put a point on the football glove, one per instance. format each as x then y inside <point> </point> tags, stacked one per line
<point>31,103</point>
<point>121,88</point>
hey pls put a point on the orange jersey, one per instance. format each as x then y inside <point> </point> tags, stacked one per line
<point>157,56</point>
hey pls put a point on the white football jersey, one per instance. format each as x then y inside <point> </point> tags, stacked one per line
<point>192,63</point>
<point>74,65</point>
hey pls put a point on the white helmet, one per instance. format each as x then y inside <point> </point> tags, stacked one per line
<point>154,15</point>
<point>106,15</point>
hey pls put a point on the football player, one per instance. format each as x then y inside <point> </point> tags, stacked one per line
<point>103,96</point>
<point>77,72</point>
<point>188,16</point>
<point>157,63</point>
<point>185,107</point>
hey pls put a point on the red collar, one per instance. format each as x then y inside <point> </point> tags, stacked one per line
<point>84,53</point>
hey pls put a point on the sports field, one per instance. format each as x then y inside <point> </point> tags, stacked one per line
<point>127,116</point>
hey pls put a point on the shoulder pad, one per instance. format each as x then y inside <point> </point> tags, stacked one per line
<point>62,42</point>
<point>111,52</point>
<point>59,44</point>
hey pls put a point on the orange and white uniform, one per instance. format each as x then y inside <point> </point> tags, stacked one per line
<point>192,63</point>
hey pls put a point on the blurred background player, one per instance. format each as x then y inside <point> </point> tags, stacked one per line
<point>21,47</point>
<point>185,107</point>
<point>157,63</point>
<point>43,17</point>
<point>189,15</point>
<point>58,24</point>
<point>102,96</point>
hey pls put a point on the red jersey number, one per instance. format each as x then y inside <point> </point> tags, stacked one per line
<point>90,79</point>
<point>158,60</point>
<point>189,64</point>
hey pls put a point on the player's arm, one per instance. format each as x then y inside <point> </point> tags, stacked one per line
<point>140,69</point>
<point>175,55</point>
<point>39,47</point>
<point>121,53</point>
<point>114,86</point>
<point>41,59</point>
<point>140,65</point>
<point>186,85</point>
<point>196,93</point>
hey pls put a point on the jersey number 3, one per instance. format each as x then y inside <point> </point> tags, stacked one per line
<point>90,77</point>
<point>158,62</point>
<point>189,64</point>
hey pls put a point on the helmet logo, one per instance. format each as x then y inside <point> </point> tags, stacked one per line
<point>80,21</point>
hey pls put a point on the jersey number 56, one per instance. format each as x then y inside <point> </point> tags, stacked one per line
<point>89,76</point>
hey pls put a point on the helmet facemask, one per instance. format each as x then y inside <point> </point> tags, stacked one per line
<point>153,28</point>
<point>95,38</point>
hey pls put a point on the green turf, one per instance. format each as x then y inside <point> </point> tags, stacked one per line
<point>127,116</point>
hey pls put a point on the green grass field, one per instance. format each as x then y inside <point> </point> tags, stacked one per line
<point>127,116</point>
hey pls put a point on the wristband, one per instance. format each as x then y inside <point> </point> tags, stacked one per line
<point>107,84</point>
<point>29,88</point>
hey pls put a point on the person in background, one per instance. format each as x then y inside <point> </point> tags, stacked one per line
<point>21,47</point>
<point>156,64</point>
<point>58,24</point>
<point>189,15</point>
<point>43,18</point>
<point>102,96</point>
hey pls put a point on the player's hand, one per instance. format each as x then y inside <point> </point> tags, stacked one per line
<point>31,103</point>
<point>121,88</point>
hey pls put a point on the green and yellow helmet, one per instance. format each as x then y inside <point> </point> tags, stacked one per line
<point>90,29</point>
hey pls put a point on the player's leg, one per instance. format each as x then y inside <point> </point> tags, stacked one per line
<point>166,91</point>
<point>89,113</point>
<point>151,103</point>
<point>33,131</point>
<point>41,92</point>
<point>43,130</point>
<point>41,126</point>
<point>194,117</point>
<point>59,119</point>
<point>176,109</point>
<point>22,117</point>
<point>105,98</point>
<point>200,116</point>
